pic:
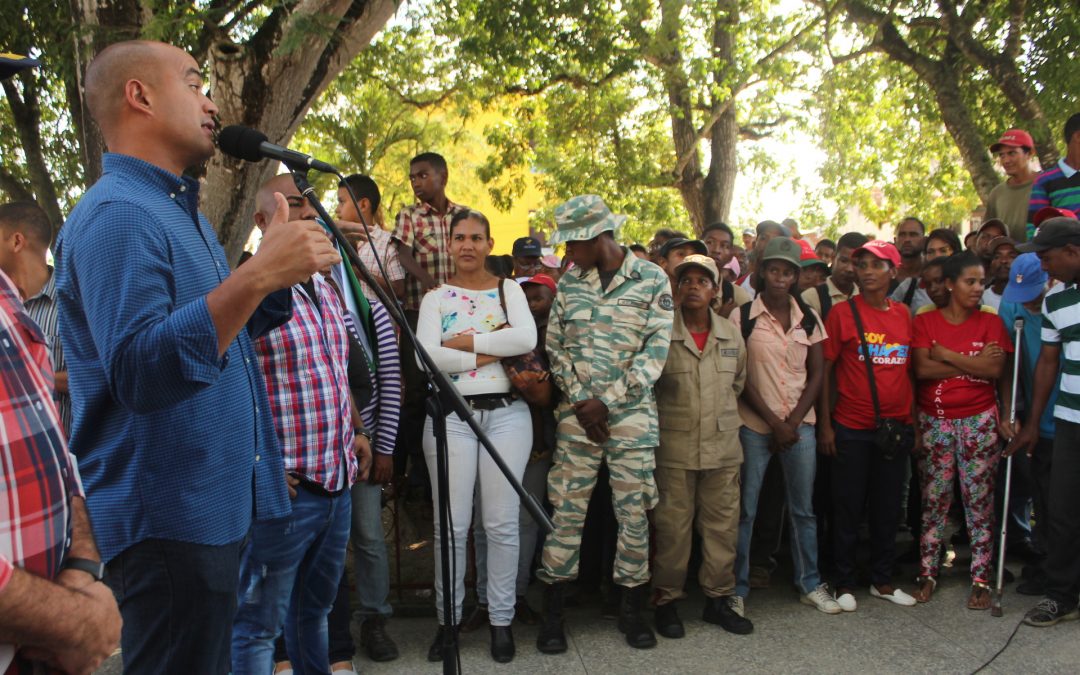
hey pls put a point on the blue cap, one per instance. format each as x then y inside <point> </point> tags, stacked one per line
<point>1026,279</point>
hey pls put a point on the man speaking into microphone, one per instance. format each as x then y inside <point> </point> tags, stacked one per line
<point>171,420</point>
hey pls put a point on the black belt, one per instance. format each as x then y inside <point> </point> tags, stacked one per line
<point>316,489</point>
<point>490,401</point>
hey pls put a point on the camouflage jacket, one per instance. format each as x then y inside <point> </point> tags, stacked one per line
<point>611,345</point>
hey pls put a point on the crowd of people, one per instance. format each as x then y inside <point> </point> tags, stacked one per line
<point>231,431</point>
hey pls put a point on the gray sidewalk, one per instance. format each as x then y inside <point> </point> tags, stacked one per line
<point>941,636</point>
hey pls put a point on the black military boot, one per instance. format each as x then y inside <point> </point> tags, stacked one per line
<point>552,638</point>
<point>631,622</point>
<point>668,622</point>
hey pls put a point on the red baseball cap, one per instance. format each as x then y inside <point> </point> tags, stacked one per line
<point>1016,138</point>
<point>1050,212</point>
<point>806,251</point>
<point>880,249</point>
<point>542,279</point>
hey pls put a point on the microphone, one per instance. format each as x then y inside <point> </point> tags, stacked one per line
<point>251,145</point>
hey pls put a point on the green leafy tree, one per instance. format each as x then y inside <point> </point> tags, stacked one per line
<point>265,63</point>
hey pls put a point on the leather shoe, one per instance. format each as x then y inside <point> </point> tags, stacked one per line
<point>718,611</point>
<point>477,619</point>
<point>668,622</point>
<point>435,651</point>
<point>377,644</point>
<point>502,644</point>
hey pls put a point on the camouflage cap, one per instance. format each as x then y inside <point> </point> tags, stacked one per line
<point>582,218</point>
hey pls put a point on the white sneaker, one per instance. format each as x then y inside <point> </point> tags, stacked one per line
<point>735,602</point>
<point>846,601</point>
<point>823,600</point>
<point>898,597</point>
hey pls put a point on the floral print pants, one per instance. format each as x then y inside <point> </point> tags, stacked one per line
<point>970,445</point>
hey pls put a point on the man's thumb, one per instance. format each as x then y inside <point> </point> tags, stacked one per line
<point>281,213</point>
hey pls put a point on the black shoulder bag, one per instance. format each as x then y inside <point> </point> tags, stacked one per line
<point>892,436</point>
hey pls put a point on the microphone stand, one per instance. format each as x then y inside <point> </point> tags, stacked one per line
<point>443,398</point>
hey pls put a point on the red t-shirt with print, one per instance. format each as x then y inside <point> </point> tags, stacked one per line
<point>961,395</point>
<point>888,336</point>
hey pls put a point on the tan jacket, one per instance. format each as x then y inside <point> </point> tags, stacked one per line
<point>697,396</point>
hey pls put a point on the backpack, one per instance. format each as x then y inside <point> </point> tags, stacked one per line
<point>824,299</point>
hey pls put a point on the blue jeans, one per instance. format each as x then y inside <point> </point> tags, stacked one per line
<point>369,551</point>
<point>289,576</point>
<point>799,463</point>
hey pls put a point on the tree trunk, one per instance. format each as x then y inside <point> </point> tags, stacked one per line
<point>27,116</point>
<point>942,78</point>
<point>669,59</point>
<point>719,184</point>
<point>267,82</point>
<point>260,85</point>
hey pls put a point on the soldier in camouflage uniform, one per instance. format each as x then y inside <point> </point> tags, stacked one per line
<point>607,339</point>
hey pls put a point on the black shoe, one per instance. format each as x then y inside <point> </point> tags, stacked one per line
<point>502,644</point>
<point>376,643</point>
<point>719,612</point>
<point>477,619</point>
<point>1049,612</point>
<point>552,638</point>
<point>524,613</point>
<point>435,651</point>
<point>631,623</point>
<point>668,622</point>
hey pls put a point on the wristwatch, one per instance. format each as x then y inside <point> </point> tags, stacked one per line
<point>94,568</point>
<point>361,431</point>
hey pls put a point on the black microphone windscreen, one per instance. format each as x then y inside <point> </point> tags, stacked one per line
<point>242,142</point>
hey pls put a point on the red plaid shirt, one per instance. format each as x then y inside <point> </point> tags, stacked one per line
<point>428,234</point>
<point>37,476</point>
<point>305,365</point>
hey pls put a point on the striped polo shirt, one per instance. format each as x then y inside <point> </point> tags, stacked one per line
<point>1058,186</point>
<point>1061,325</point>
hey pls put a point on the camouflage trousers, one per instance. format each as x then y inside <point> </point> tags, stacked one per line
<point>633,492</point>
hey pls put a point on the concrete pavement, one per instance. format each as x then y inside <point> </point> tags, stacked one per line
<point>941,636</point>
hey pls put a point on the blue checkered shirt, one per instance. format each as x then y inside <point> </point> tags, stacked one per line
<point>173,442</point>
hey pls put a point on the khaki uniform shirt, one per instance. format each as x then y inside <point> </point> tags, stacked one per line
<point>697,397</point>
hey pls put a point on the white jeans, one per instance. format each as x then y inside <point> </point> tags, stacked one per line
<point>510,431</point>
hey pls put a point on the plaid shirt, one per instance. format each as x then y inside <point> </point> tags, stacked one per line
<point>388,254</point>
<point>428,234</point>
<point>304,363</point>
<point>38,478</point>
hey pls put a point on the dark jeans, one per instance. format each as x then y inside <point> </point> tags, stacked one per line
<point>1063,557</point>
<point>860,475</point>
<point>1040,464</point>
<point>177,600</point>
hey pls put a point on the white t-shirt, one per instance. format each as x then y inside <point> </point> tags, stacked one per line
<point>448,311</point>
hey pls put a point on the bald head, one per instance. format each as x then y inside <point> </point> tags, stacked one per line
<point>266,205</point>
<point>111,70</point>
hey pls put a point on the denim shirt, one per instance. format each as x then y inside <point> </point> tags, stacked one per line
<point>173,442</point>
